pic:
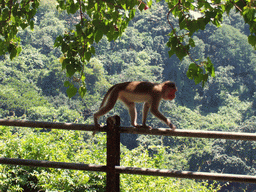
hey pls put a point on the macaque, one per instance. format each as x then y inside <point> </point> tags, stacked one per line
<point>138,91</point>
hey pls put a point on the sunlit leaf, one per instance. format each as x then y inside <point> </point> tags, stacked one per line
<point>82,91</point>
<point>71,91</point>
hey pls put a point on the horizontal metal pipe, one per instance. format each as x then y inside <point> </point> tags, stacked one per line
<point>47,125</point>
<point>132,130</point>
<point>187,174</point>
<point>51,164</point>
<point>191,133</point>
<point>132,170</point>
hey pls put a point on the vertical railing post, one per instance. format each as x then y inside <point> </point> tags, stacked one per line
<point>113,153</point>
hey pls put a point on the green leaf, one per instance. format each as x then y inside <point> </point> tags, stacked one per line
<point>228,7</point>
<point>192,27</point>
<point>18,50</point>
<point>191,42</point>
<point>13,52</point>
<point>65,62</point>
<point>66,83</point>
<point>90,4</point>
<point>197,79</point>
<point>210,14</point>
<point>196,73</point>
<point>183,24</point>
<point>174,41</point>
<point>189,74</point>
<point>210,67</point>
<point>252,40</point>
<point>71,91</point>
<point>201,24</point>
<point>98,36</point>
<point>82,91</point>
<point>88,56</point>
<point>92,50</point>
<point>31,23</point>
<point>205,77</point>
<point>124,6</point>
<point>5,13</point>
<point>72,8</point>
<point>96,6</point>
<point>70,70</point>
<point>213,72</point>
<point>132,13</point>
<point>171,52</point>
<point>181,51</point>
<point>149,3</point>
<point>142,6</point>
<point>58,41</point>
<point>83,78</point>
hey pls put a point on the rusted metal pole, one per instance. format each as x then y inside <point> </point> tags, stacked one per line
<point>113,153</point>
<point>187,174</point>
<point>191,133</point>
<point>159,131</point>
<point>47,125</point>
<point>132,170</point>
<point>53,164</point>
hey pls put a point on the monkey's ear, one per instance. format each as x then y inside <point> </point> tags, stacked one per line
<point>165,87</point>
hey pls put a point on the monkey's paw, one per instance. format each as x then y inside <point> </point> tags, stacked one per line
<point>143,127</point>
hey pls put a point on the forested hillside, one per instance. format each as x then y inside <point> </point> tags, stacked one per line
<point>32,87</point>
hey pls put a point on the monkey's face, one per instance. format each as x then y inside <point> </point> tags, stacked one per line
<point>169,91</point>
<point>171,94</point>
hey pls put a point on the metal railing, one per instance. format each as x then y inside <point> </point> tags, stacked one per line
<point>113,168</point>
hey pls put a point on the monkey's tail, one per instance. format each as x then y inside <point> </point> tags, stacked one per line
<point>106,96</point>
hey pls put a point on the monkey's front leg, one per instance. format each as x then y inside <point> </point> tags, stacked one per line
<point>159,115</point>
<point>133,114</point>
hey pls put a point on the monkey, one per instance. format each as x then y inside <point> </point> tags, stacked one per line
<point>135,92</point>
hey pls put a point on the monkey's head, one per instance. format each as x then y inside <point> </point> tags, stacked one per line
<point>169,90</point>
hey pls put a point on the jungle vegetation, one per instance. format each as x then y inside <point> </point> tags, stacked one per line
<point>33,86</point>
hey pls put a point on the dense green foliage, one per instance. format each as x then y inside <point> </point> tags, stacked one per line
<point>69,146</point>
<point>32,87</point>
<point>110,18</point>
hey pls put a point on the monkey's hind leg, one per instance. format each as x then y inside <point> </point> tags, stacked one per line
<point>110,103</point>
<point>132,110</point>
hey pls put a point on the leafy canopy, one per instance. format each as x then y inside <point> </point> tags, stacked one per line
<point>111,18</point>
